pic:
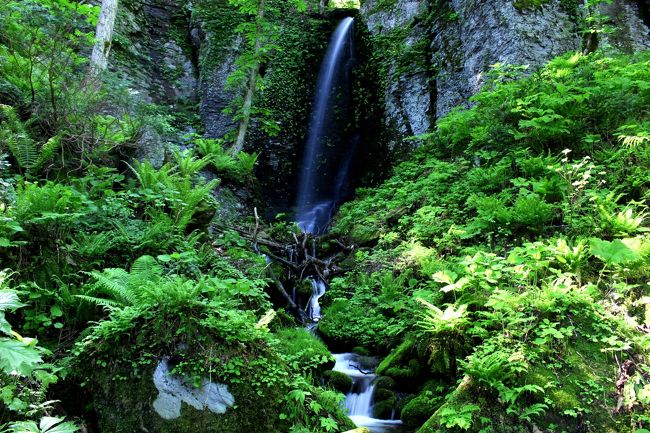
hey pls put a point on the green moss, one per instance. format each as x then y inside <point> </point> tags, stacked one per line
<point>337,380</point>
<point>125,407</point>
<point>403,366</point>
<point>417,411</point>
<point>304,288</point>
<point>385,382</point>
<point>360,350</point>
<point>303,348</point>
<point>383,409</point>
<point>522,5</point>
<point>569,6</point>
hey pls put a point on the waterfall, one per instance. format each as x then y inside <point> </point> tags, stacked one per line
<point>318,290</point>
<point>321,185</point>
<point>359,400</point>
<point>323,180</point>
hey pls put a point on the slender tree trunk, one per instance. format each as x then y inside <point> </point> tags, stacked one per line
<point>103,36</point>
<point>252,83</point>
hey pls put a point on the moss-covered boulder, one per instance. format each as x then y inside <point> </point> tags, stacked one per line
<point>385,382</point>
<point>384,403</point>
<point>186,366</point>
<point>404,366</point>
<point>337,380</point>
<point>419,409</point>
<point>383,409</point>
<point>302,347</point>
<point>361,351</point>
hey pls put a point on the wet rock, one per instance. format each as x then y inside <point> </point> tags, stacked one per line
<point>213,93</point>
<point>407,95</point>
<point>149,52</point>
<point>486,33</point>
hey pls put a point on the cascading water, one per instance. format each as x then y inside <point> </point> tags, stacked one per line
<point>318,290</point>
<point>321,182</point>
<point>323,176</point>
<point>359,400</point>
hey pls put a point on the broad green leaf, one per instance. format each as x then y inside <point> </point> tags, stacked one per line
<point>446,277</point>
<point>613,253</point>
<point>5,327</point>
<point>9,300</point>
<point>56,425</point>
<point>15,356</point>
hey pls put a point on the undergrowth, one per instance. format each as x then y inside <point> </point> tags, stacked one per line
<point>508,258</point>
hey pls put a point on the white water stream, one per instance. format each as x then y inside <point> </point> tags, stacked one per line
<point>359,400</point>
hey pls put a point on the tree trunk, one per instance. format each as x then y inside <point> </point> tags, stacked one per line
<point>103,36</point>
<point>252,83</point>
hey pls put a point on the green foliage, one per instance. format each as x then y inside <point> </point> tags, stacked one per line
<point>24,375</point>
<point>302,350</point>
<point>15,139</point>
<point>46,425</point>
<point>519,236</point>
<point>239,167</point>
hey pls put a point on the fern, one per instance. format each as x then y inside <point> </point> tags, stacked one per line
<point>145,269</point>
<point>247,162</point>
<point>114,282</point>
<point>139,287</point>
<point>109,304</point>
<point>188,165</point>
<point>47,151</point>
<point>150,177</point>
<point>15,138</point>
<point>93,245</point>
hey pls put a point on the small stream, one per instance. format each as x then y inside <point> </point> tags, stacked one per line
<point>360,398</point>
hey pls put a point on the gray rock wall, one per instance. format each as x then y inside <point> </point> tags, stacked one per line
<point>489,32</point>
<point>458,40</point>
<point>409,105</point>
<point>152,51</point>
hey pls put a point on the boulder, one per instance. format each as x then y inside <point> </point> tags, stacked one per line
<point>339,381</point>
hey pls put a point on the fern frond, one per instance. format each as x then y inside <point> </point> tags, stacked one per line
<point>14,137</point>
<point>47,151</point>
<point>109,304</point>
<point>115,282</point>
<point>144,269</point>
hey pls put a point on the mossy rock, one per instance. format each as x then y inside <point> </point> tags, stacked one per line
<point>406,373</point>
<point>337,380</point>
<point>385,382</point>
<point>403,401</point>
<point>383,409</point>
<point>126,369</point>
<point>398,357</point>
<point>418,410</point>
<point>124,403</point>
<point>304,289</point>
<point>382,394</point>
<point>360,350</point>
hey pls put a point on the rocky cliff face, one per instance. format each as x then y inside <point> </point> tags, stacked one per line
<point>436,52</point>
<point>417,60</point>
<point>153,52</point>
